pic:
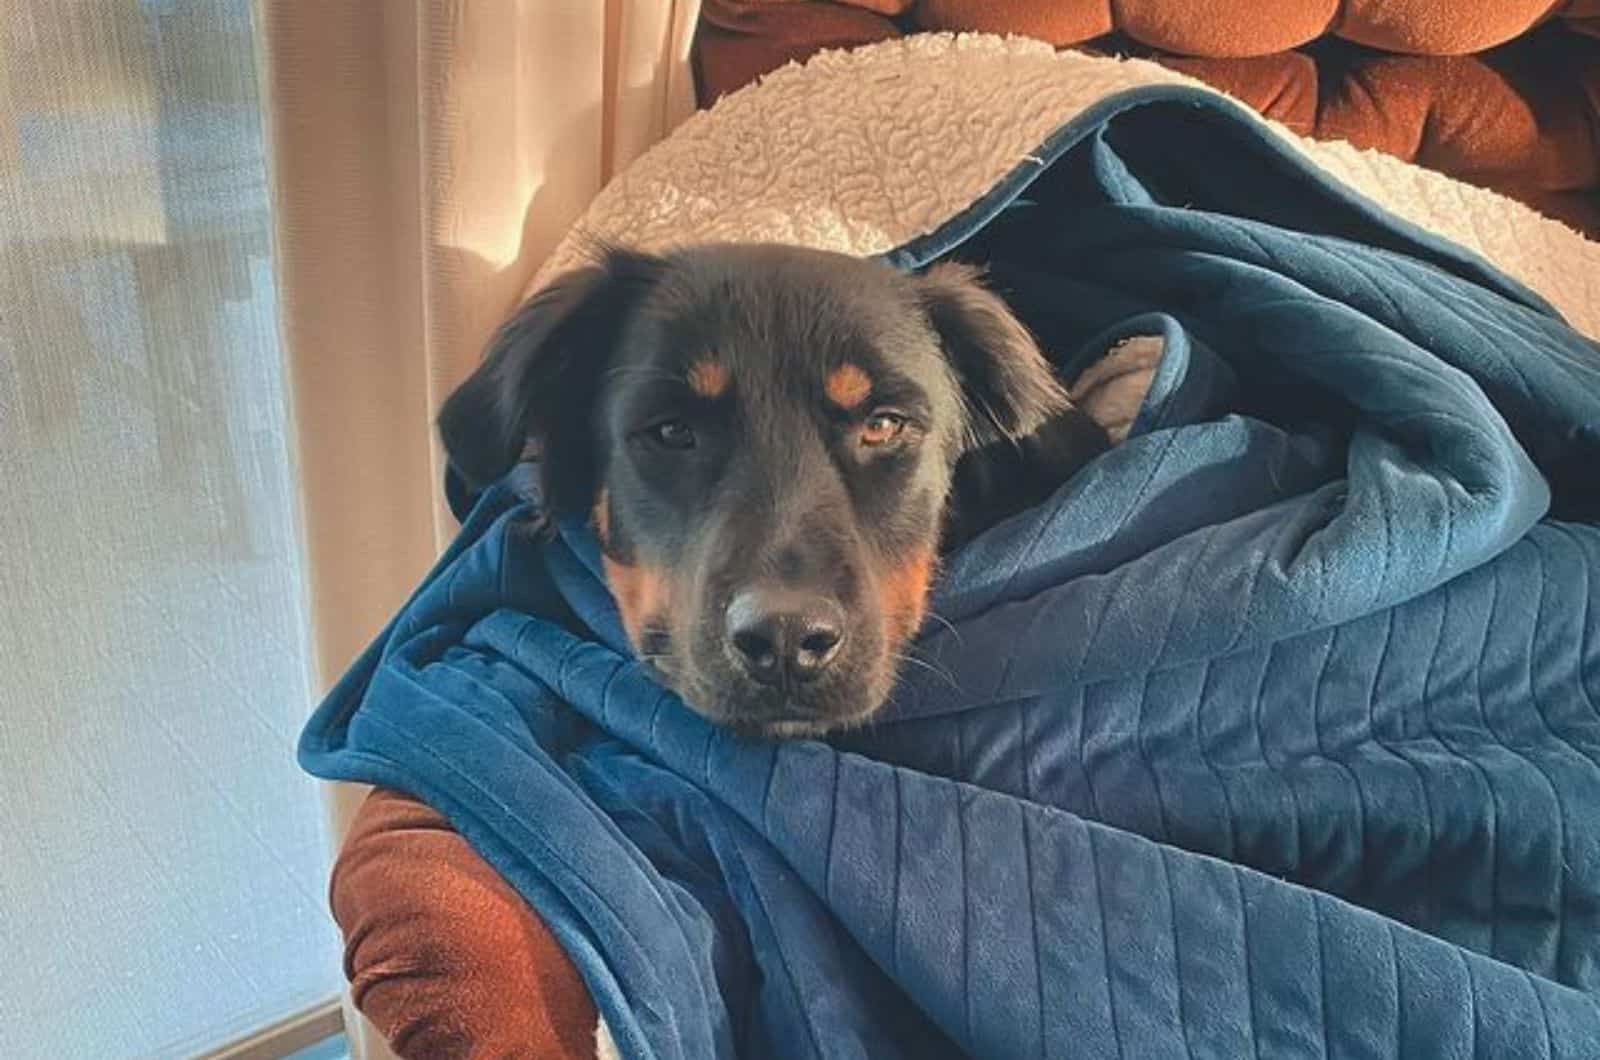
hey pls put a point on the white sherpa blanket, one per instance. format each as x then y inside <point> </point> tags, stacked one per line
<point>835,155</point>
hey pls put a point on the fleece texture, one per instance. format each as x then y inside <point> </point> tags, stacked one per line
<point>861,151</point>
<point>1275,731</point>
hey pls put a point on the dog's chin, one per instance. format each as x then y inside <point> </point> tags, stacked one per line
<point>796,727</point>
<point>765,714</point>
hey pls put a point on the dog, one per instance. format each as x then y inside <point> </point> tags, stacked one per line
<point>775,445</point>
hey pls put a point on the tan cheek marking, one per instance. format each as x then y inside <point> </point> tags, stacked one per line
<point>903,595</point>
<point>640,592</point>
<point>708,377</point>
<point>847,386</point>
<point>602,518</point>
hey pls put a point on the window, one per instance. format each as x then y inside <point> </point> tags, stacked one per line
<point>163,870</point>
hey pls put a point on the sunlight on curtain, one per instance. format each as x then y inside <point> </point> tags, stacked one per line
<point>162,865</point>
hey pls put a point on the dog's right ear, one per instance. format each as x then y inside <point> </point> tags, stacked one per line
<point>540,376</point>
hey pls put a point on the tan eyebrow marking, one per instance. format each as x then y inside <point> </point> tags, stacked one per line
<point>848,386</point>
<point>708,377</point>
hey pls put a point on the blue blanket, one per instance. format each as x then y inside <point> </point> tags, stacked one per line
<point>1275,732</point>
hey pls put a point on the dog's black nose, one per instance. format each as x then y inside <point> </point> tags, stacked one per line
<point>783,637</point>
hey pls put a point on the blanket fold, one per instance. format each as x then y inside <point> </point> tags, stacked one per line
<point>1276,731</point>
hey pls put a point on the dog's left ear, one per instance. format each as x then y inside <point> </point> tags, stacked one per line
<point>1007,384</point>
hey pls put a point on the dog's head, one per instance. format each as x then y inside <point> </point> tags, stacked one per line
<point>764,438</point>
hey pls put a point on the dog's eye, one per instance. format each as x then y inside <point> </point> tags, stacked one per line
<point>672,434</point>
<point>881,428</point>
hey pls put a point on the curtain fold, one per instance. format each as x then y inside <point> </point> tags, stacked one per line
<point>425,158</point>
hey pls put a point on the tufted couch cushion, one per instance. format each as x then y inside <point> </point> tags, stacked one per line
<point>1232,28</point>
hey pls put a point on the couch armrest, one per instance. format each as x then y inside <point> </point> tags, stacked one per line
<point>443,956</point>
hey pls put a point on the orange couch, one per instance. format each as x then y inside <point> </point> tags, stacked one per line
<point>443,956</point>
<point>1499,93</point>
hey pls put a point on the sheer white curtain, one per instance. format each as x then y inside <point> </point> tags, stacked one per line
<point>426,156</point>
<point>163,862</point>
<point>244,249</point>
